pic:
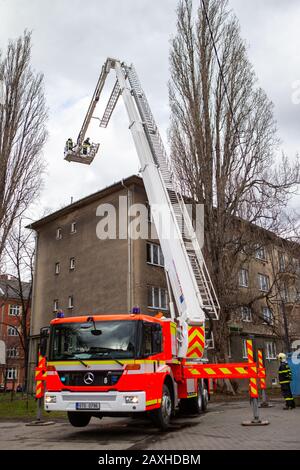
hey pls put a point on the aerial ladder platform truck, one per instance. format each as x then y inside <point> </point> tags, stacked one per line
<point>130,364</point>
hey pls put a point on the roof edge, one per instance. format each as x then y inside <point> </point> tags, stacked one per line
<point>133,179</point>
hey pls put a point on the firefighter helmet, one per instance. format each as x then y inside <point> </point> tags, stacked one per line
<point>281,357</point>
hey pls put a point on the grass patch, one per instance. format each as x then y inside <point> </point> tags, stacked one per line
<point>20,406</point>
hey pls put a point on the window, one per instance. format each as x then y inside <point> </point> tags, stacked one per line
<point>268,315</point>
<point>157,298</point>
<point>12,331</point>
<point>57,268</point>
<point>14,310</point>
<point>246,314</point>
<point>11,373</point>
<point>55,305</point>
<point>154,255</point>
<point>263,282</point>
<point>12,352</point>
<point>70,302</point>
<point>244,346</point>
<point>243,278</point>
<point>285,294</point>
<point>72,263</point>
<point>73,227</point>
<point>281,261</point>
<point>270,350</point>
<point>209,339</point>
<point>58,233</point>
<point>260,253</point>
<point>152,338</point>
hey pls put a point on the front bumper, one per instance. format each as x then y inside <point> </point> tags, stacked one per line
<point>113,402</point>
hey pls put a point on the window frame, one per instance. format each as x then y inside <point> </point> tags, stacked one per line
<point>55,305</point>
<point>73,227</point>
<point>70,302</point>
<point>13,306</point>
<point>160,257</point>
<point>244,278</point>
<point>59,233</point>
<point>244,348</point>
<point>273,344</point>
<point>14,329</point>
<point>72,264</point>
<point>281,261</point>
<point>12,356</point>
<point>14,375</point>
<point>153,295</point>
<point>57,268</point>
<point>261,276</point>
<point>261,249</point>
<point>271,316</point>
<point>249,312</point>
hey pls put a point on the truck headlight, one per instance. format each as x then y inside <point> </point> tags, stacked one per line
<point>132,399</point>
<point>50,399</point>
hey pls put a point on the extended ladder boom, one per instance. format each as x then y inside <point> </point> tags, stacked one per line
<point>192,288</point>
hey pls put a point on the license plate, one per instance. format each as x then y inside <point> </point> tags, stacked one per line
<point>87,406</point>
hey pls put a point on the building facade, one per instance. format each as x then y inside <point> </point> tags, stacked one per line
<point>86,264</point>
<point>12,374</point>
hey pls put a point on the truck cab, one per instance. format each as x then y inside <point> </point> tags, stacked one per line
<point>110,365</point>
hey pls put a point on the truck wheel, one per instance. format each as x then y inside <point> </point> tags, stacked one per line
<point>193,405</point>
<point>78,419</point>
<point>162,416</point>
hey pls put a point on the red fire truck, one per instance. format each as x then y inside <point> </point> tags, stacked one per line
<point>112,365</point>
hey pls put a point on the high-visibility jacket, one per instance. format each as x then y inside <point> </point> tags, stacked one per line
<point>284,373</point>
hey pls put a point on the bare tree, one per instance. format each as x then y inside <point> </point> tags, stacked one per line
<point>20,251</point>
<point>224,145</point>
<point>22,133</point>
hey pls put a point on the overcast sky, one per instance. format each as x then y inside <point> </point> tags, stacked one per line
<point>71,40</point>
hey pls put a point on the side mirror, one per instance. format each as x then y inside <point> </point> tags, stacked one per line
<point>44,334</point>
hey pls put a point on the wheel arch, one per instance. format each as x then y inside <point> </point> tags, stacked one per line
<point>169,382</point>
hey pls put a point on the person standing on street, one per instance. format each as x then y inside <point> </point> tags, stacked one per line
<point>285,378</point>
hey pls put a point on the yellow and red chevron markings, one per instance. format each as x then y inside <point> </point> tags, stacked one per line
<point>253,388</point>
<point>196,341</point>
<point>261,369</point>
<point>40,376</point>
<point>238,370</point>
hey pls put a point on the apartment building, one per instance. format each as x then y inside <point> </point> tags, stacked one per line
<point>81,272</point>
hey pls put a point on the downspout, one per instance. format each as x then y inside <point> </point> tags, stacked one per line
<point>129,252</point>
<point>31,342</point>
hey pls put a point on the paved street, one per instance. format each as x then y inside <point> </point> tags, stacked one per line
<point>220,428</point>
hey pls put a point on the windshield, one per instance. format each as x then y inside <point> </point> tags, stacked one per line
<point>99,340</point>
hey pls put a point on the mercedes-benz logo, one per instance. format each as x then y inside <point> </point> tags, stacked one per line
<point>89,378</point>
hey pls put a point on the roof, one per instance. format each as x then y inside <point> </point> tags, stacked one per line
<point>9,289</point>
<point>134,179</point>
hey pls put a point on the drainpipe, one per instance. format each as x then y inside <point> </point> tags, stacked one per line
<point>129,253</point>
<point>29,384</point>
